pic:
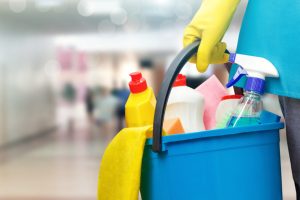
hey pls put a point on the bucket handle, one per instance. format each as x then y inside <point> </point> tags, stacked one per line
<point>177,64</point>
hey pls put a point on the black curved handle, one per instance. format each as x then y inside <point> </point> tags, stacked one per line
<point>163,95</point>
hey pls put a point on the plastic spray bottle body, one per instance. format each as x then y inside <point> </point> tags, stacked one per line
<point>248,110</point>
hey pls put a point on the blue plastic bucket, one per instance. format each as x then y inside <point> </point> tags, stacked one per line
<point>225,164</point>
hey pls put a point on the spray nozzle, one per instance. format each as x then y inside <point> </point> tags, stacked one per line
<point>240,72</point>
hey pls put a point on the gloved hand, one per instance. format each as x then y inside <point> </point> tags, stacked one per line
<point>209,24</point>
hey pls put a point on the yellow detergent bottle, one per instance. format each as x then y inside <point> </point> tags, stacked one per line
<point>140,106</point>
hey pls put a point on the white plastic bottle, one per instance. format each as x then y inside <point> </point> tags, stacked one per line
<point>186,104</point>
<point>226,106</point>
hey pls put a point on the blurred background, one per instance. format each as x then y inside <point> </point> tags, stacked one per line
<point>65,62</point>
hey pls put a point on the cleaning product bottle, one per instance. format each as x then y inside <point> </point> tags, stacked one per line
<point>247,111</point>
<point>140,106</point>
<point>226,106</point>
<point>250,106</point>
<point>186,104</point>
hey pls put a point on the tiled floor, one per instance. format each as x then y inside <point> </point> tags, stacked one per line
<point>59,166</point>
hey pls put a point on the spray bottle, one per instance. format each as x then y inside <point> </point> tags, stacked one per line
<point>250,106</point>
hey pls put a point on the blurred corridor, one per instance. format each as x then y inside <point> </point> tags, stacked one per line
<point>52,167</point>
<point>64,69</point>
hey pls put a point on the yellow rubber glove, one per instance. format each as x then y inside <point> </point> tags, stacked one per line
<point>209,24</point>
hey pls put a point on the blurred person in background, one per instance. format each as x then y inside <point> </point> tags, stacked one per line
<point>89,104</point>
<point>122,95</point>
<point>105,111</point>
<point>89,108</point>
<point>69,95</point>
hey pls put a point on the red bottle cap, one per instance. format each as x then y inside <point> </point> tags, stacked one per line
<point>138,83</point>
<point>235,96</point>
<point>180,80</point>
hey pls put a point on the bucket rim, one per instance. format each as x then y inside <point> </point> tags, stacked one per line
<point>218,132</point>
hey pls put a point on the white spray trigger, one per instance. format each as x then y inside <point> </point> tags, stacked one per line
<point>258,67</point>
